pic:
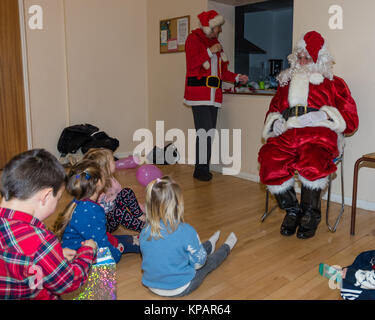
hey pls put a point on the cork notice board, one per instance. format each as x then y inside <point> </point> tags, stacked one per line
<point>173,34</point>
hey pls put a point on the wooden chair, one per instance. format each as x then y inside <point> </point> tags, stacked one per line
<point>370,157</point>
<point>331,228</point>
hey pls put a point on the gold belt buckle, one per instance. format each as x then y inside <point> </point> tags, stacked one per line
<point>218,83</point>
<point>300,105</point>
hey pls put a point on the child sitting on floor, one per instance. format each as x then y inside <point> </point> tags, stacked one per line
<point>120,205</point>
<point>84,218</point>
<point>175,262</point>
<point>33,264</point>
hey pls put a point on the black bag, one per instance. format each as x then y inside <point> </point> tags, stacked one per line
<point>74,137</point>
<point>100,140</point>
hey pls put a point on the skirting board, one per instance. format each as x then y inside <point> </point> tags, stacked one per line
<point>366,205</point>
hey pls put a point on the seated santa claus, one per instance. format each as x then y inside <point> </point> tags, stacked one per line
<point>307,119</point>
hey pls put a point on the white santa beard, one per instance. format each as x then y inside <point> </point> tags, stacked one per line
<point>316,71</point>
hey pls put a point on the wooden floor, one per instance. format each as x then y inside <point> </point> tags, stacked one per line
<point>263,264</point>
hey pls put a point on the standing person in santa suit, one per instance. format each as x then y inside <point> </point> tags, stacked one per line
<point>206,68</point>
<point>304,129</point>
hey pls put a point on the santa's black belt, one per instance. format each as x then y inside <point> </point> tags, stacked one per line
<point>297,111</point>
<point>210,82</point>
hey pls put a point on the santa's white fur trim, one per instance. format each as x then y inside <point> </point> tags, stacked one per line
<point>340,143</point>
<point>323,65</point>
<point>301,44</point>
<point>298,90</point>
<point>277,189</point>
<point>318,184</point>
<point>217,21</point>
<point>271,118</point>
<point>224,56</point>
<point>206,65</point>
<point>316,78</point>
<point>338,124</point>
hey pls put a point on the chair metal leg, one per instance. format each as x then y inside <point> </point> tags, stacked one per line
<point>266,211</point>
<point>337,221</point>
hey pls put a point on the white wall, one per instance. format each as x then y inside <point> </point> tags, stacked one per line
<point>47,75</point>
<point>166,72</point>
<point>88,65</point>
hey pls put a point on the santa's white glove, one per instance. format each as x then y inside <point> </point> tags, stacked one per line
<point>312,117</point>
<point>279,127</point>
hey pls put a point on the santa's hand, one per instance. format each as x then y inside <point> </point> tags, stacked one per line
<point>279,127</point>
<point>312,117</point>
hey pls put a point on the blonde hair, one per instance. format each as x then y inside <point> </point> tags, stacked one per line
<point>83,180</point>
<point>164,202</point>
<point>103,157</point>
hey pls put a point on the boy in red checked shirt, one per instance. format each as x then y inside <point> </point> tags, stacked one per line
<point>33,265</point>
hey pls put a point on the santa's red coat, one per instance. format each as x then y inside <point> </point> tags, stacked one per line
<point>309,150</point>
<point>200,64</point>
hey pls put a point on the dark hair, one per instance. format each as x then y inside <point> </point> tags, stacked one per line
<point>83,178</point>
<point>82,182</point>
<point>29,172</point>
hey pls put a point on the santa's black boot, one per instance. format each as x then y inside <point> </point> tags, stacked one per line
<point>311,212</point>
<point>287,200</point>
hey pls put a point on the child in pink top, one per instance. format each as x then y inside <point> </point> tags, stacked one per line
<point>120,204</point>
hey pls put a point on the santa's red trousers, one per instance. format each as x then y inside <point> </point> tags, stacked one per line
<point>310,151</point>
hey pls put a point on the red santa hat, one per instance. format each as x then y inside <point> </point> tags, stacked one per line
<point>316,47</point>
<point>313,43</point>
<point>209,20</point>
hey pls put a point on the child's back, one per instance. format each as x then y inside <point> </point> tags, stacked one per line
<point>175,262</point>
<point>168,262</point>
<point>33,264</point>
<point>88,222</point>
<point>29,257</point>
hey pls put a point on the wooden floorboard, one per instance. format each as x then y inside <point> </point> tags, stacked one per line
<point>263,264</point>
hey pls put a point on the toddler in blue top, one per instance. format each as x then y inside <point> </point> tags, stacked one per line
<point>84,218</point>
<point>174,261</point>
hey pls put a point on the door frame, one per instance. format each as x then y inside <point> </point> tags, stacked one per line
<point>21,10</point>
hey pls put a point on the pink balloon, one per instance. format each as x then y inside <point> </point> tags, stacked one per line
<point>147,173</point>
<point>127,163</point>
